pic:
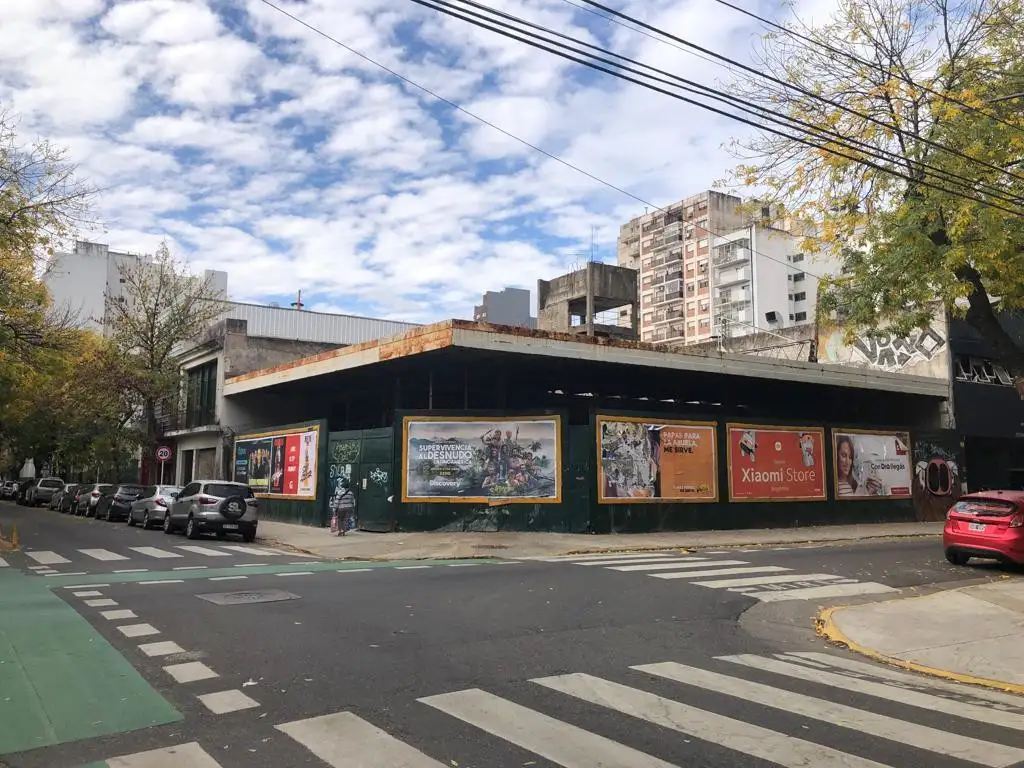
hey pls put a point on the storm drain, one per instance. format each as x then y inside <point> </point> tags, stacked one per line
<point>245,598</point>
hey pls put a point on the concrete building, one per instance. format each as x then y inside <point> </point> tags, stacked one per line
<point>510,306</point>
<point>762,281</point>
<point>80,280</point>
<point>574,303</point>
<point>671,251</point>
<point>249,337</point>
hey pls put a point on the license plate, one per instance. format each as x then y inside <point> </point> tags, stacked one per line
<point>232,527</point>
<point>976,526</point>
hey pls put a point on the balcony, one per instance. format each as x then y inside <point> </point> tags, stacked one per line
<point>667,296</point>
<point>727,254</point>
<point>178,419</point>
<point>732,276</point>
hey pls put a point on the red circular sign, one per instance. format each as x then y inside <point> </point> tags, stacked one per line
<point>163,453</point>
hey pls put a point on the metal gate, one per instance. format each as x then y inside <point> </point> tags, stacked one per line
<point>360,460</point>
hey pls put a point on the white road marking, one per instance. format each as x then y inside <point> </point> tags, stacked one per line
<point>88,593</point>
<point>754,581</point>
<point>650,560</point>
<point>881,691</point>
<point>901,731</point>
<point>223,702</point>
<point>888,673</point>
<point>344,740</point>
<point>719,572</point>
<point>203,551</point>
<point>243,565</point>
<point>832,590</point>
<point>747,738</point>
<point>297,573</point>
<point>189,755</point>
<point>190,672</point>
<point>300,562</point>
<point>190,567</point>
<point>40,568</point>
<point>104,603</point>
<point>715,552</point>
<point>253,550</point>
<point>163,581</point>
<point>561,743</point>
<point>355,570</point>
<point>138,630</point>
<point>461,565</point>
<point>46,557</point>
<point>163,648</point>
<point>410,567</point>
<point>685,562</point>
<point>227,578</point>
<point>607,556</point>
<point>118,615</point>
<point>102,554</point>
<point>134,570</point>
<point>83,586</point>
<point>155,552</point>
<point>75,573</point>
<point>4,563</point>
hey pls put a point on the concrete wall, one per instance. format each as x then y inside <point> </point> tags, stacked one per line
<point>923,353</point>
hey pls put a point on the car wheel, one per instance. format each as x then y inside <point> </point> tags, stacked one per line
<point>146,522</point>
<point>131,520</point>
<point>248,538</point>
<point>168,528</point>
<point>957,558</point>
<point>191,529</point>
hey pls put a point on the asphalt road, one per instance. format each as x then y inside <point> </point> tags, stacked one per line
<point>517,663</point>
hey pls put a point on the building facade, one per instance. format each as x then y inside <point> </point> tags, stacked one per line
<point>509,306</point>
<point>671,251</point>
<point>79,281</point>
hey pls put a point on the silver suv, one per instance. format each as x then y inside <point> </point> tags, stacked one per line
<point>42,491</point>
<point>213,506</point>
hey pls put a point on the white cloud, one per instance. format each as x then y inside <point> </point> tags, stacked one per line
<point>256,146</point>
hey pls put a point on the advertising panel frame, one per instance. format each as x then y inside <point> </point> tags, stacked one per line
<point>820,431</point>
<point>880,432</point>
<point>272,436</point>
<point>711,426</point>
<point>497,501</point>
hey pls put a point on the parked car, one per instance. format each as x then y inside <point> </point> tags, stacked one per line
<point>115,506</point>
<point>69,498</point>
<point>9,489</point>
<point>42,491</point>
<point>55,498</point>
<point>214,506</point>
<point>150,508</point>
<point>89,497</point>
<point>987,524</point>
<point>23,488</point>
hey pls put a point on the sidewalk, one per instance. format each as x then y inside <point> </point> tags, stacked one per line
<point>419,546</point>
<point>971,635</point>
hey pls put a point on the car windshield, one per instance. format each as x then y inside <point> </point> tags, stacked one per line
<point>996,507</point>
<point>51,484</point>
<point>223,490</point>
<point>136,489</point>
<point>104,488</point>
<point>168,490</point>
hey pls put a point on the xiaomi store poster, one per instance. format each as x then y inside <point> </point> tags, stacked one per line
<point>776,463</point>
<point>643,460</point>
<point>872,464</point>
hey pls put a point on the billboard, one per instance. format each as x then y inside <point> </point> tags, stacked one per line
<point>482,459</point>
<point>768,463</point>
<point>871,464</point>
<point>279,464</point>
<point>656,460</point>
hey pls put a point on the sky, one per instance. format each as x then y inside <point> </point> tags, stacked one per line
<point>254,146</point>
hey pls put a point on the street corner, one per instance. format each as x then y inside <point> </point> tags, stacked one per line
<point>967,635</point>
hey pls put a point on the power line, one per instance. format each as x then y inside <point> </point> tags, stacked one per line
<point>696,88</point>
<point>532,40</point>
<point>799,89</point>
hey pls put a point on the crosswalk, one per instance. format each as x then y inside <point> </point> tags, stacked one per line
<point>46,561</point>
<point>693,708</point>
<point>767,583</point>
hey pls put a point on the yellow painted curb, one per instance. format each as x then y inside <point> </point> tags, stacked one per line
<point>826,627</point>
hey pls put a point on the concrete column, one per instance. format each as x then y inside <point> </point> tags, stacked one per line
<point>590,299</point>
<point>430,390</point>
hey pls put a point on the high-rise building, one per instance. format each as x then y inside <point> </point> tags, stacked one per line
<point>671,251</point>
<point>510,306</point>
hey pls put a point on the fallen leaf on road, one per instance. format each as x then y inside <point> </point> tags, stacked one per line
<point>248,682</point>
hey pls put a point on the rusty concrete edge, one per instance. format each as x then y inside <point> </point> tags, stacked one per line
<point>826,628</point>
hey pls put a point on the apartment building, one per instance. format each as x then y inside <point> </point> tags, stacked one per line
<point>509,306</point>
<point>671,251</point>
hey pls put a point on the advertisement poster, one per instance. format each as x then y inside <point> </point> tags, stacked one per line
<point>282,464</point>
<point>776,463</point>
<point>871,464</point>
<point>641,460</point>
<point>482,460</point>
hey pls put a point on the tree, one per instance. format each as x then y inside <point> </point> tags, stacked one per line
<point>925,101</point>
<point>160,307</point>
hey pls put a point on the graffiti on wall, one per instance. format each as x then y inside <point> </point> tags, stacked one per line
<point>938,476</point>
<point>922,353</point>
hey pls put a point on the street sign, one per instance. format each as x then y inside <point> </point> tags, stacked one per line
<point>163,453</point>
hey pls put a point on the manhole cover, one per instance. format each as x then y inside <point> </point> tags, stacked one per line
<point>244,598</point>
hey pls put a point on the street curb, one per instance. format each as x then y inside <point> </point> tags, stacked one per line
<point>826,628</point>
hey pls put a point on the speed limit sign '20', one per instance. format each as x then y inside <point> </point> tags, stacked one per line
<point>163,453</point>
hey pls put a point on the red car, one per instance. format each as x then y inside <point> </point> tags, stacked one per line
<point>988,524</point>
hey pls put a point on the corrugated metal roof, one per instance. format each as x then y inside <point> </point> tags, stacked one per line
<point>287,323</point>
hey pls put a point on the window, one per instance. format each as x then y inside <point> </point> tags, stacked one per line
<point>702,243</point>
<point>798,257</point>
<point>790,317</point>
<point>689,248</point>
<point>799,296</point>
<point>190,490</point>
<point>691,329</point>
<point>705,324</point>
<point>201,395</point>
<point>799,277</point>
<point>800,317</point>
<point>791,297</point>
<point>224,490</point>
